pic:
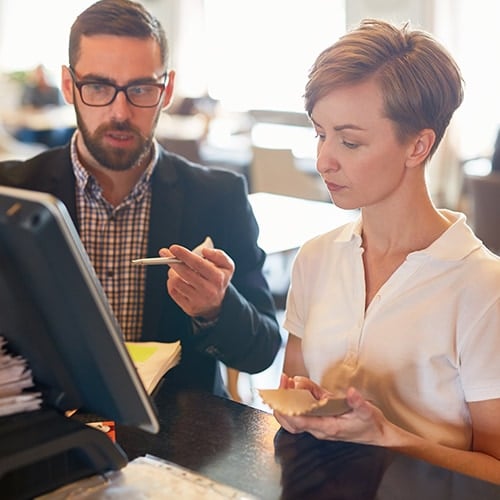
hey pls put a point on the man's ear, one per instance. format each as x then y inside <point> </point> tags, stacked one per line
<point>420,147</point>
<point>67,85</point>
<point>169,90</point>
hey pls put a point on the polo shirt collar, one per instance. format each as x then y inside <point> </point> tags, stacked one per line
<point>454,244</point>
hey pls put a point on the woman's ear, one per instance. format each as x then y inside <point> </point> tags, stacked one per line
<point>420,147</point>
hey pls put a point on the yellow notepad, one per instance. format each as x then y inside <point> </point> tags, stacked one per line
<point>153,360</point>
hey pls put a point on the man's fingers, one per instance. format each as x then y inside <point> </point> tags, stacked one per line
<point>219,258</point>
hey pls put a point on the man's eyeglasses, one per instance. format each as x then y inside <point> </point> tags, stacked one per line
<point>96,93</point>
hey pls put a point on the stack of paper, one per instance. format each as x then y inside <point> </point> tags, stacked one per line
<point>15,377</point>
<point>153,360</point>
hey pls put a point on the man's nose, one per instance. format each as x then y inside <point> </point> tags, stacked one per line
<point>121,106</point>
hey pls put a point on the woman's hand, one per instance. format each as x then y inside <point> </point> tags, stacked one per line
<point>364,424</point>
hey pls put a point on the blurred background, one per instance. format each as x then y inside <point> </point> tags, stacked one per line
<point>241,67</point>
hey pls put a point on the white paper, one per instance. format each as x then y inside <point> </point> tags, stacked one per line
<point>15,377</point>
<point>149,478</point>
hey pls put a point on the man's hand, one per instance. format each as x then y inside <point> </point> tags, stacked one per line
<point>198,284</point>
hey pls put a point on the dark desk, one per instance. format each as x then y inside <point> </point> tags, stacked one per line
<point>244,448</point>
<point>226,441</point>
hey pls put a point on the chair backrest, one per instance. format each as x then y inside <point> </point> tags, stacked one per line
<point>484,192</point>
<point>188,148</point>
<point>274,171</point>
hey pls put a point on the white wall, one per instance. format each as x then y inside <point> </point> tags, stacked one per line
<point>420,12</point>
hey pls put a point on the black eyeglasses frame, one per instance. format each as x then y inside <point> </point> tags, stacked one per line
<point>79,84</point>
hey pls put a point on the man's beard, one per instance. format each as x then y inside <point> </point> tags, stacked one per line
<point>117,159</point>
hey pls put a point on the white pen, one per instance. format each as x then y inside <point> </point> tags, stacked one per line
<point>165,261</point>
<point>156,261</point>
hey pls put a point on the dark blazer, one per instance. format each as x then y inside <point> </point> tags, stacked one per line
<point>189,202</point>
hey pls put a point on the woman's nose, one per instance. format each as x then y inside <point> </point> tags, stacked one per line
<point>325,158</point>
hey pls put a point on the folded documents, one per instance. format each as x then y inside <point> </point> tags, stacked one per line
<point>153,360</point>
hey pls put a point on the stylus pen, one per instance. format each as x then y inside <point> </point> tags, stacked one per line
<point>156,261</point>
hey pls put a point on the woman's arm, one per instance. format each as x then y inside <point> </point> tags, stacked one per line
<point>367,424</point>
<point>294,360</point>
<point>483,461</point>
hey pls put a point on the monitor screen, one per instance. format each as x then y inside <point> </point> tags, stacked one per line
<point>55,314</point>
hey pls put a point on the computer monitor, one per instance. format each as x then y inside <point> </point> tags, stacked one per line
<point>54,313</point>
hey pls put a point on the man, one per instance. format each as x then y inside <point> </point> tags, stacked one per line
<point>129,198</point>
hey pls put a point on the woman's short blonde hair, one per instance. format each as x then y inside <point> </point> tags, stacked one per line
<point>421,83</point>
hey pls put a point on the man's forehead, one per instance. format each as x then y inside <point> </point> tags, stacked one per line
<point>120,57</point>
<point>128,49</point>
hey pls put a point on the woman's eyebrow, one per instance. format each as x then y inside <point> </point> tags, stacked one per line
<point>340,128</point>
<point>349,126</point>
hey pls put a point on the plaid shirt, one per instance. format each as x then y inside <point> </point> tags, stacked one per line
<point>112,237</point>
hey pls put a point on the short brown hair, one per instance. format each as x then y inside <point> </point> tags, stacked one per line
<point>421,83</point>
<point>120,18</point>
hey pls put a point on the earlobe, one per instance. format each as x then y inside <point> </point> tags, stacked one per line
<point>421,147</point>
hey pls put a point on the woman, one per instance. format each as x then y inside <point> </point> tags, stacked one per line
<point>398,312</point>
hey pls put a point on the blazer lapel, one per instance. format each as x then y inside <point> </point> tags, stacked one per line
<point>164,229</point>
<point>61,181</point>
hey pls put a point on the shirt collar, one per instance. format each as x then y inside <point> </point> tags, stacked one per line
<point>351,232</point>
<point>454,244</point>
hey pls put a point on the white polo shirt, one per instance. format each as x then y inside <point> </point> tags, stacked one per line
<point>428,342</point>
